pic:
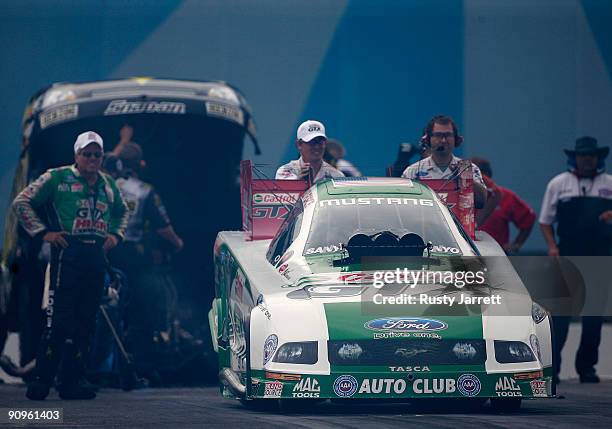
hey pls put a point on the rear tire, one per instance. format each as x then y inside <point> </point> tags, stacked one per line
<point>506,405</point>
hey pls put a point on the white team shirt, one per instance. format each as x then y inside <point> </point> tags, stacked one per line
<point>567,185</point>
<point>292,170</point>
<point>428,169</point>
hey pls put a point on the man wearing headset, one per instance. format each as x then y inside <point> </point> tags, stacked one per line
<point>441,137</point>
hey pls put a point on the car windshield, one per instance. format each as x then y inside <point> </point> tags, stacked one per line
<point>337,220</point>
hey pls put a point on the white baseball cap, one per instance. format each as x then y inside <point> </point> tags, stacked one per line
<point>309,130</point>
<point>86,138</point>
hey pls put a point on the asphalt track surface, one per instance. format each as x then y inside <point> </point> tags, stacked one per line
<point>578,406</point>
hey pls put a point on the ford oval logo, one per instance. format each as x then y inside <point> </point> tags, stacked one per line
<point>405,324</point>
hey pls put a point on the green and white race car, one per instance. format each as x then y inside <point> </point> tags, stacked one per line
<point>365,292</point>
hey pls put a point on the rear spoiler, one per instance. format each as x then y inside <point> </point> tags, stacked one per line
<point>265,203</point>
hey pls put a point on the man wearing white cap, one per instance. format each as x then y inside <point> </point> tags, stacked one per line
<point>86,216</point>
<point>310,142</point>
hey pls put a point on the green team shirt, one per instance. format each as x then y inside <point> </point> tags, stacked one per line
<point>80,209</point>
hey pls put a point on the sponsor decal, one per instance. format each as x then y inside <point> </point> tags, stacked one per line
<point>350,351</point>
<point>276,198</point>
<point>538,388</point>
<point>528,375</point>
<point>84,226</point>
<point>224,111</point>
<point>270,347</point>
<point>59,114</point>
<point>605,193</point>
<point>389,335</point>
<point>307,388</point>
<point>409,369</point>
<point>124,107</point>
<point>407,353</point>
<point>464,350</point>
<point>222,93</point>
<point>323,249</point>
<point>507,387</point>
<point>270,212</point>
<point>378,201</point>
<point>262,306</point>
<point>383,385</point>
<point>434,385</point>
<point>345,386</point>
<point>356,278</point>
<point>283,268</point>
<point>77,187</point>
<point>431,335</point>
<point>468,385</point>
<point>285,257</point>
<point>307,198</point>
<point>265,311</point>
<point>535,345</point>
<point>283,376</point>
<point>49,309</point>
<point>405,324</point>
<point>445,249</point>
<point>63,187</point>
<point>273,389</point>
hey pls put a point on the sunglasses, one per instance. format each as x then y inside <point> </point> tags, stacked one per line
<point>90,154</point>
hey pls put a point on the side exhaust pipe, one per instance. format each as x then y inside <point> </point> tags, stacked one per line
<point>231,380</point>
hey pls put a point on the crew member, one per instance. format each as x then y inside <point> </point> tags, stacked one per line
<point>580,202</point>
<point>511,208</point>
<point>310,142</point>
<point>334,156</point>
<point>86,216</point>
<point>441,136</point>
<point>146,308</point>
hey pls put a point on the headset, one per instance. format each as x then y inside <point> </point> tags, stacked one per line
<point>425,140</point>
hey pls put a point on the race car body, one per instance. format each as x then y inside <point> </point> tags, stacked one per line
<point>364,293</point>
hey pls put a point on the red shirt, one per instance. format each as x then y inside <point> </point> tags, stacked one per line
<point>510,209</point>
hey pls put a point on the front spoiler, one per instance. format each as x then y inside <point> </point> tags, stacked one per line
<point>346,385</point>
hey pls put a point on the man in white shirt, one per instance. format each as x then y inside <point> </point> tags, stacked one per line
<point>310,142</point>
<point>579,201</point>
<point>441,137</point>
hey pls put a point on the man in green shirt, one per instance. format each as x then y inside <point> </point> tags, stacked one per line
<point>86,216</point>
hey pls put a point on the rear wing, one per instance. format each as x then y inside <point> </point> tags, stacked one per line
<point>458,195</point>
<point>265,203</point>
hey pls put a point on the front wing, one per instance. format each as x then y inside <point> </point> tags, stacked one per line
<point>377,385</point>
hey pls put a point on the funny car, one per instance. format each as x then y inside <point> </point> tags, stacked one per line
<point>365,292</point>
